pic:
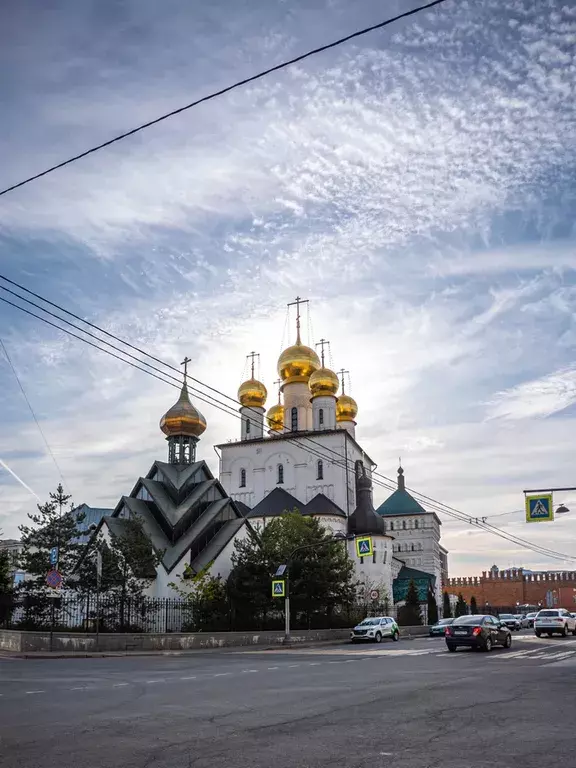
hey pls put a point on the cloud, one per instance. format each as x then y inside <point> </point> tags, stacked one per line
<point>533,399</point>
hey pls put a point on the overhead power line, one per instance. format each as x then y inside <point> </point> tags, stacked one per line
<point>304,441</point>
<point>227,89</point>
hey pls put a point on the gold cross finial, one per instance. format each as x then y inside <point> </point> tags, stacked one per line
<point>253,356</point>
<point>297,301</point>
<point>322,343</point>
<point>278,382</point>
<point>342,373</point>
<point>185,364</point>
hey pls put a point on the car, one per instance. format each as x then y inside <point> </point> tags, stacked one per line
<point>522,619</point>
<point>510,621</point>
<point>375,628</point>
<point>530,618</point>
<point>550,621</point>
<point>439,629</point>
<point>479,632</point>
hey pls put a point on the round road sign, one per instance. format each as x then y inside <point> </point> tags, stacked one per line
<point>374,594</point>
<point>54,579</point>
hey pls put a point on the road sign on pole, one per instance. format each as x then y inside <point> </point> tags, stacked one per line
<point>539,508</point>
<point>54,556</point>
<point>364,547</point>
<point>278,588</point>
<point>374,594</point>
<point>54,579</point>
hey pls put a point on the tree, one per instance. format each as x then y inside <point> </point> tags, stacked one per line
<point>473,606</point>
<point>410,614</point>
<point>54,525</point>
<point>5,574</point>
<point>208,600</point>
<point>446,607</point>
<point>432,608</point>
<point>461,606</point>
<point>320,576</point>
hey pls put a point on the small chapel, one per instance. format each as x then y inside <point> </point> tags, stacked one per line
<point>302,454</point>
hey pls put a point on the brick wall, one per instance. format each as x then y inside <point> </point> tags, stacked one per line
<point>506,588</point>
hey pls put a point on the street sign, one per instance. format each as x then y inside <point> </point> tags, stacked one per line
<point>54,556</point>
<point>278,588</point>
<point>374,594</point>
<point>281,570</point>
<point>539,509</point>
<point>54,579</point>
<point>364,546</point>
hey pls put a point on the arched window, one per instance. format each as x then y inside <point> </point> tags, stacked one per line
<point>359,468</point>
<point>319,470</point>
<point>321,416</point>
<point>416,524</point>
<point>294,418</point>
<point>404,524</point>
<point>280,478</point>
<point>247,426</point>
<point>413,548</point>
<point>242,478</point>
<point>392,525</point>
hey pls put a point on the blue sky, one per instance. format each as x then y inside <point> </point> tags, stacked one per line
<point>417,185</point>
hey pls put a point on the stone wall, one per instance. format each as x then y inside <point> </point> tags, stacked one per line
<point>507,588</point>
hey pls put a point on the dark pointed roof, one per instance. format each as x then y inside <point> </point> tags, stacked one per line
<point>364,519</point>
<point>322,505</point>
<point>400,502</point>
<point>278,502</point>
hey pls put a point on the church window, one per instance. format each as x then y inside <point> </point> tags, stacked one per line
<point>319,470</point>
<point>242,478</point>
<point>280,478</point>
<point>321,416</point>
<point>247,426</point>
<point>413,548</point>
<point>392,525</point>
<point>404,524</point>
<point>416,524</point>
<point>294,419</point>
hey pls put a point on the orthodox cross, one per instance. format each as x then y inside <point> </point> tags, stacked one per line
<point>278,382</point>
<point>297,303</point>
<point>185,364</point>
<point>342,373</point>
<point>253,356</point>
<point>322,343</point>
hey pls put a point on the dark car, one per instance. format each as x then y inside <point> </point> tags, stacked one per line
<point>480,632</point>
<point>439,629</point>
<point>511,621</point>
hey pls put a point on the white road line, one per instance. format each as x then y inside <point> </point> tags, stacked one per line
<point>311,664</point>
<point>276,667</point>
<point>150,682</point>
<point>335,662</point>
<point>35,692</point>
<point>192,677</point>
<point>292,666</point>
<point>222,674</point>
<point>561,655</point>
<point>119,685</point>
<point>80,688</point>
<point>255,670</point>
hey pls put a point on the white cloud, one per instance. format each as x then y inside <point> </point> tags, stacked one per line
<point>539,398</point>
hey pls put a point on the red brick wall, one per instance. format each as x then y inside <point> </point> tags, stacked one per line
<point>506,588</point>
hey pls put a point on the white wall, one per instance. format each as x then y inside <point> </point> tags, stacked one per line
<point>379,572</point>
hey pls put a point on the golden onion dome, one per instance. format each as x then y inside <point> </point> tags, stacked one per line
<point>275,418</point>
<point>346,408</point>
<point>323,382</point>
<point>252,393</point>
<point>297,363</point>
<point>183,418</point>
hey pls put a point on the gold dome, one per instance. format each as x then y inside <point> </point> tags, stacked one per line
<point>297,363</point>
<point>275,418</point>
<point>252,393</point>
<point>183,418</point>
<point>323,382</point>
<point>346,408</point>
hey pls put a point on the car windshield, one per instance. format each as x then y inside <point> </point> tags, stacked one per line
<point>445,621</point>
<point>475,620</point>
<point>506,616</point>
<point>548,613</point>
<point>369,622</point>
<point>530,615</point>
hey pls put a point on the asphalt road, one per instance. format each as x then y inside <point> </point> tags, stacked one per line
<point>408,704</point>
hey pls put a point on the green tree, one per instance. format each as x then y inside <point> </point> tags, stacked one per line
<point>321,575</point>
<point>432,608</point>
<point>54,525</point>
<point>473,606</point>
<point>207,596</point>
<point>461,607</point>
<point>446,607</point>
<point>5,574</point>
<point>410,614</point>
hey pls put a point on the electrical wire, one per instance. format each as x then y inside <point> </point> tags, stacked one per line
<point>222,91</point>
<point>304,441</point>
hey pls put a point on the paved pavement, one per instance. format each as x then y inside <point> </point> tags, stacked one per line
<point>407,704</point>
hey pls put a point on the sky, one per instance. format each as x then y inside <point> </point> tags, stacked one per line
<point>417,185</point>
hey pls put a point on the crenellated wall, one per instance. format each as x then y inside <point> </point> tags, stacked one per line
<point>506,588</point>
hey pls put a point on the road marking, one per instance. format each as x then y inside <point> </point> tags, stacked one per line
<point>35,692</point>
<point>118,685</point>
<point>251,670</point>
<point>150,682</point>
<point>335,662</point>
<point>274,667</point>
<point>561,655</point>
<point>292,666</point>
<point>80,688</point>
<point>222,674</point>
<point>311,664</point>
<point>192,677</point>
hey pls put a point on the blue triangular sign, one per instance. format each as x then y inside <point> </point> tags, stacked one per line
<point>364,546</point>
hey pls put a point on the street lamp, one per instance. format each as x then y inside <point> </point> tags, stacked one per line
<point>562,509</point>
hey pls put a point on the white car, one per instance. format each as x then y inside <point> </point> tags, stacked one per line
<point>550,621</point>
<point>375,628</point>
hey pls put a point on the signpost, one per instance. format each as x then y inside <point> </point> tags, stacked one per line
<point>364,546</point>
<point>54,578</point>
<point>539,508</point>
<point>278,588</point>
<point>54,556</point>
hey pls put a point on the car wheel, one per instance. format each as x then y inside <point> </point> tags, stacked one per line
<point>378,637</point>
<point>508,641</point>
<point>396,636</point>
<point>574,631</point>
<point>451,648</point>
<point>564,631</point>
<point>538,634</point>
<point>488,645</point>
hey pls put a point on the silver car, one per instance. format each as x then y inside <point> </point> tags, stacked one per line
<point>374,628</point>
<point>551,621</point>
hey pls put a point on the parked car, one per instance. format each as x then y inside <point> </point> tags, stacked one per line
<point>550,621</point>
<point>375,628</point>
<point>480,632</point>
<point>510,621</point>
<point>439,629</point>
<point>530,618</point>
<point>522,619</point>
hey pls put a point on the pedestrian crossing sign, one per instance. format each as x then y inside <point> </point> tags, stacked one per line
<point>278,588</point>
<point>364,546</point>
<point>539,509</point>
